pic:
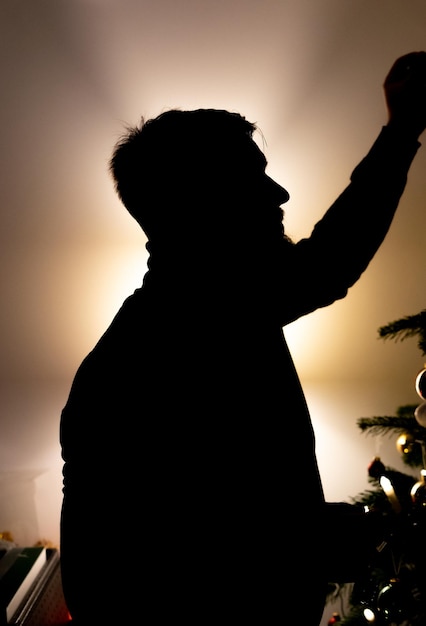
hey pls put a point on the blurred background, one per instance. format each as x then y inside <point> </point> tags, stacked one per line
<point>74,72</point>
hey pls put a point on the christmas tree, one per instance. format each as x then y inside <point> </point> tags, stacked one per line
<point>392,589</point>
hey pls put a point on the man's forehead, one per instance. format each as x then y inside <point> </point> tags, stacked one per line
<point>247,150</point>
<point>259,153</point>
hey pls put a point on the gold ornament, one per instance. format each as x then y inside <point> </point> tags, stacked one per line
<point>418,492</point>
<point>405,443</point>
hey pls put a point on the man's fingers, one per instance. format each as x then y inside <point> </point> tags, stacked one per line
<point>409,65</point>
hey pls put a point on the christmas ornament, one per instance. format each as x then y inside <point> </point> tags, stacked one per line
<point>421,383</point>
<point>418,492</point>
<point>420,414</point>
<point>376,468</point>
<point>391,601</point>
<point>405,443</point>
<point>334,619</point>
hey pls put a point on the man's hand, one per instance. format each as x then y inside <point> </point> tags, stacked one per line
<point>405,94</point>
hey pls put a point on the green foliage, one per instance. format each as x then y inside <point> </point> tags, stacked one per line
<point>403,422</point>
<point>390,425</point>
<point>402,553</point>
<point>408,326</point>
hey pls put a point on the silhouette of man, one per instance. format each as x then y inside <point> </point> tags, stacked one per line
<point>182,496</point>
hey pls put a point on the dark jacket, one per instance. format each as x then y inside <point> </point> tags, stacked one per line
<point>190,473</point>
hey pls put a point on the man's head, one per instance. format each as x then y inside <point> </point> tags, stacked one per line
<point>172,168</point>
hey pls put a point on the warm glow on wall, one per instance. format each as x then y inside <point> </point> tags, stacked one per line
<point>310,75</point>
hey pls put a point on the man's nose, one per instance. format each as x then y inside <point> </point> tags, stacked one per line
<point>279,194</point>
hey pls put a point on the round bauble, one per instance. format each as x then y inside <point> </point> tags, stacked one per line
<point>391,601</point>
<point>420,414</point>
<point>418,493</point>
<point>405,443</point>
<point>421,384</point>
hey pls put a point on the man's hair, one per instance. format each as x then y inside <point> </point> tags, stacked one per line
<point>173,157</point>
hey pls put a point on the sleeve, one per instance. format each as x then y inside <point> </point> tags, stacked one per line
<point>325,265</point>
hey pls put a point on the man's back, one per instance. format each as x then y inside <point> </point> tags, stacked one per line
<point>174,440</point>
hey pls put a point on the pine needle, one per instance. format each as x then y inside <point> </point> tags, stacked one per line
<point>408,326</point>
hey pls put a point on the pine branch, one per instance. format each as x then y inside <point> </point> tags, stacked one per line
<point>408,326</point>
<point>403,423</point>
<point>390,424</point>
<point>370,497</point>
